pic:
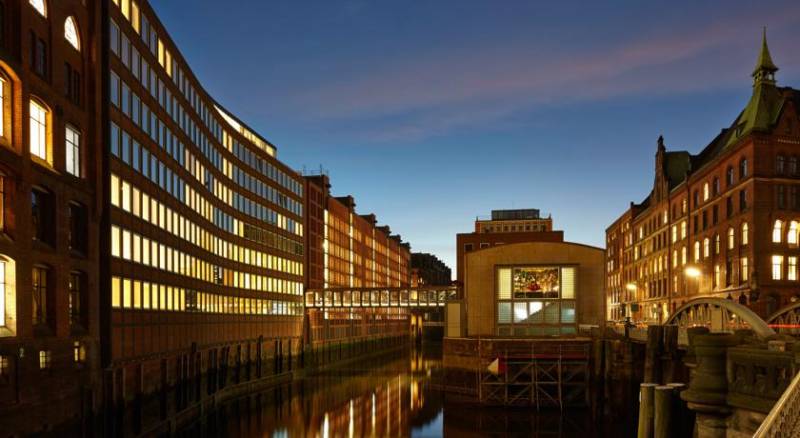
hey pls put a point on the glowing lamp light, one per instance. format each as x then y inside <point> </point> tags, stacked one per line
<point>631,287</point>
<point>692,272</point>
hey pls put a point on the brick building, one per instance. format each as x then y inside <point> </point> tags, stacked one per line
<point>206,225</point>
<point>428,270</point>
<point>346,249</point>
<point>720,223</point>
<point>520,220</point>
<point>49,214</point>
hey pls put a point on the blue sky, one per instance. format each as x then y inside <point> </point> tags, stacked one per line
<point>433,112</point>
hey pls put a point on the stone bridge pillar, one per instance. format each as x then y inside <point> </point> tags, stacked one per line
<point>708,388</point>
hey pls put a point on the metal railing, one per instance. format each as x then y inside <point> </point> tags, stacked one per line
<point>380,297</point>
<point>784,418</point>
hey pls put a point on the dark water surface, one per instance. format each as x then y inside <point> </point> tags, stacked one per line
<point>387,396</point>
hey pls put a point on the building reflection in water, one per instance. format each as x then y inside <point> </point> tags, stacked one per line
<point>379,397</point>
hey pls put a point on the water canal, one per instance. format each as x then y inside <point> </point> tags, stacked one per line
<point>395,394</point>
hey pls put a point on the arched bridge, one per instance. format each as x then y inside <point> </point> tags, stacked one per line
<point>719,315</point>
<point>716,314</point>
<point>786,320</point>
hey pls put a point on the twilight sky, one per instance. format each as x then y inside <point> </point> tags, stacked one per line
<point>433,112</point>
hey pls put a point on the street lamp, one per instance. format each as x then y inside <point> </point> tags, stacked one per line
<point>692,271</point>
<point>631,287</point>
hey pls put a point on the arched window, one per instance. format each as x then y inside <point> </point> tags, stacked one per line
<point>71,33</point>
<point>697,251</point>
<point>777,231</point>
<point>706,247</point>
<point>745,234</point>
<point>3,98</point>
<point>706,192</point>
<point>716,244</point>
<point>40,6</point>
<point>791,236</point>
<point>743,168</point>
<point>729,176</point>
<point>715,186</point>
<point>731,238</point>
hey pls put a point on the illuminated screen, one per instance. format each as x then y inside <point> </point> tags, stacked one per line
<point>536,283</point>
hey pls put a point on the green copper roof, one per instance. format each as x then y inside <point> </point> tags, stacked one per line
<point>764,59</point>
<point>766,102</point>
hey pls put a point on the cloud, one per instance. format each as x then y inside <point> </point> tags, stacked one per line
<point>421,95</point>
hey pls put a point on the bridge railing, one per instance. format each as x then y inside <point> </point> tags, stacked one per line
<point>380,297</point>
<point>784,418</point>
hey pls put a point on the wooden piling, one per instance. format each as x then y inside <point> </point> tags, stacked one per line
<point>653,352</point>
<point>646,395</point>
<point>662,411</point>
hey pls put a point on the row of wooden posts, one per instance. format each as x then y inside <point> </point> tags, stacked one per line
<point>662,413</point>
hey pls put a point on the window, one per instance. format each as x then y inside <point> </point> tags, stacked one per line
<point>77,228</point>
<point>745,234</point>
<point>697,251</point>
<point>791,271</point>
<point>39,292</point>
<point>38,55</point>
<point>4,369</point>
<point>72,84</point>
<point>706,247</point>
<point>793,165</point>
<point>743,200</point>
<point>44,359</point>
<point>38,132</point>
<point>744,270</point>
<point>78,352</point>
<point>2,105</point>
<point>42,215</point>
<point>777,231</point>
<point>468,247</point>
<point>791,235</point>
<point>728,206</point>
<point>781,196</point>
<point>73,145</point>
<point>77,299</point>
<point>71,33</point>
<point>683,230</point>
<point>715,186</point>
<point>731,238</point>
<point>683,255</point>
<point>716,244</point>
<point>743,168</point>
<point>717,276</point>
<point>780,165</point>
<point>729,176</point>
<point>706,192</point>
<point>777,267</point>
<point>40,7</point>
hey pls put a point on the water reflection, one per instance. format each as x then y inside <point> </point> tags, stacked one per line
<point>386,396</point>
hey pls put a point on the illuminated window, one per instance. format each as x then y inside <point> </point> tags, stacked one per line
<point>683,255</point>
<point>697,251</point>
<point>706,193</point>
<point>73,146</point>
<point>706,247</point>
<point>777,231</point>
<point>777,267</point>
<point>40,6</point>
<point>38,131</point>
<point>731,238</point>
<point>791,272</point>
<point>2,293</point>
<point>44,359</point>
<point>717,276</point>
<point>683,230</point>
<point>791,236</point>
<point>744,269</point>
<point>2,106</point>
<point>71,33</point>
<point>78,352</point>
<point>745,234</point>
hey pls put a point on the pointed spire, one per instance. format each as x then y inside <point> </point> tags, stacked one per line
<point>661,143</point>
<point>765,68</point>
